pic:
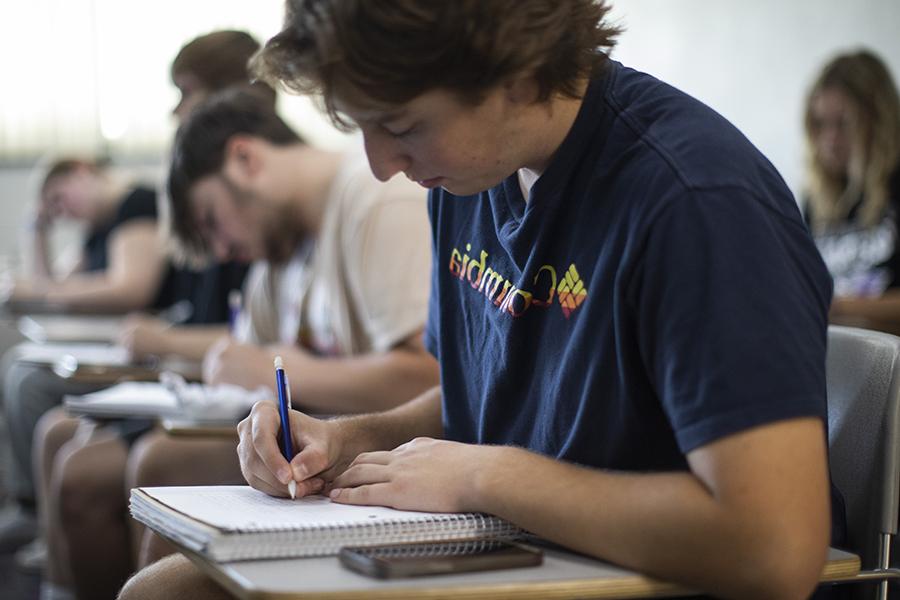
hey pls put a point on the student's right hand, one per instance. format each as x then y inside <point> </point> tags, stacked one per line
<point>264,467</point>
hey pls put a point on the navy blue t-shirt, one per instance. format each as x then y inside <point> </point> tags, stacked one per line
<point>658,291</point>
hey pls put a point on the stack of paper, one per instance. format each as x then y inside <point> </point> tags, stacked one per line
<point>196,403</point>
<point>64,328</point>
<point>88,354</point>
<point>237,523</point>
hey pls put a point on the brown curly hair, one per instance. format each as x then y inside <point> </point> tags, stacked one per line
<point>387,52</point>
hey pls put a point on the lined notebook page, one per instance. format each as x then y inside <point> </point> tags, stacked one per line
<point>241,508</point>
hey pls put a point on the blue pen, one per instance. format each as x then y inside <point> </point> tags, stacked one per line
<point>284,408</point>
<point>235,304</point>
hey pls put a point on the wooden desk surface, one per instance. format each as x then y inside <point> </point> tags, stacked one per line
<point>563,575</point>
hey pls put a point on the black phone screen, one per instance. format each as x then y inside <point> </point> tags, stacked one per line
<point>437,558</point>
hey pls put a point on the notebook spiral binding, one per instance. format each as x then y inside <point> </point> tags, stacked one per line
<point>328,539</point>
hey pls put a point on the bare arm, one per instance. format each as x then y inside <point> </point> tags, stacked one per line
<point>751,519</point>
<point>353,384</point>
<point>136,267</point>
<point>40,267</point>
<point>365,383</point>
<point>144,336</point>
<point>882,313</point>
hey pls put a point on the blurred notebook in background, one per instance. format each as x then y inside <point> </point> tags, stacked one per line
<point>87,353</point>
<point>67,328</point>
<point>173,399</point>
<point>100,363</point>
<point>228,523</point>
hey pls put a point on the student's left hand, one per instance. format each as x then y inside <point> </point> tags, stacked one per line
<point>246,365</point>
<point>423,474</point>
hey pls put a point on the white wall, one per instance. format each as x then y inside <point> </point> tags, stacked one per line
<point>753,60</point>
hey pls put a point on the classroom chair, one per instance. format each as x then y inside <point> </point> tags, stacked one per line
<point>863,384</point>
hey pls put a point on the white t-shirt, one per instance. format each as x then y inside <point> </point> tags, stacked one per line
<point>362,286</point>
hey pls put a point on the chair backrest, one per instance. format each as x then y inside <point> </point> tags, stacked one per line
<point>863,376</point>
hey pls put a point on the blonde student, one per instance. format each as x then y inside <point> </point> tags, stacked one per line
<point>852,197</point>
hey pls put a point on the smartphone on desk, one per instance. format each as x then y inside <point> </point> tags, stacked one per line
<point>438,558</point>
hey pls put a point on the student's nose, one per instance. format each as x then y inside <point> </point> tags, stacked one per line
<point>385,156</point>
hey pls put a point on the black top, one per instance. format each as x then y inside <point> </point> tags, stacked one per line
<point>864,260</point>
<point>139,203</point>
<point>207,289</point>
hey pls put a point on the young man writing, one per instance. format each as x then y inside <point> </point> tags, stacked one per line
<point>629,315</point>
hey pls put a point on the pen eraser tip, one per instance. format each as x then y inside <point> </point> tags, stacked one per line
<point>279,364</point>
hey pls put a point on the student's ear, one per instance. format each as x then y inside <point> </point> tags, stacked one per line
<point>243,159</point>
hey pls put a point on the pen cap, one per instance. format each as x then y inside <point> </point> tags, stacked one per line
<point>235,300</point>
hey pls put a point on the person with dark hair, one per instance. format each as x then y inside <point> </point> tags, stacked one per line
<point>206,64</point>
<point>243,184</point>
<point>211,63</point>
<point>628,311</point>
<point>853,186</point>
<point>338,289</point>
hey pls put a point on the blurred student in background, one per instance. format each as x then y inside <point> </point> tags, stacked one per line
<point>853,187</point>
<point>339,289</point>
<point>123,265</point>
<point>205,65</point>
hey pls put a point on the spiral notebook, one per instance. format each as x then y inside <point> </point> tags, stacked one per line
<point>228,523</point>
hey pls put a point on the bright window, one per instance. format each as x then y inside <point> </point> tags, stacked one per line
<point>92,76</point>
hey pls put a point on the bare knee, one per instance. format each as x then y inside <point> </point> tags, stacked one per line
<point>88,482</point>
<point>172,578</point>
<point>158,459</point>
<point>151,461</point>
<point>53,430</point>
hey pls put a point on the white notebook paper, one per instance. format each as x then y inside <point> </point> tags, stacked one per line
<point>64,328</point>
<point>190,402</point>
<point>83,353</point>
<point>229,523</point>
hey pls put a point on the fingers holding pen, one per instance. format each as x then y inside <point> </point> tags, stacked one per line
<point>263,464</point>
<point>261,459</point>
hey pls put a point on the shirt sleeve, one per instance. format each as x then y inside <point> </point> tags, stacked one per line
<point>390,256</point>
<point>731,301</point>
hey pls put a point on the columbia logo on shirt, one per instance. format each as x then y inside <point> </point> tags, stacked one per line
<point>547,285</point>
